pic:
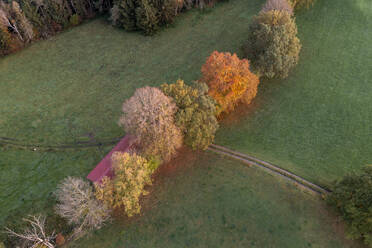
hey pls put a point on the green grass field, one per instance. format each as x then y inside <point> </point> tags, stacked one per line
<point>28,178</point>
<point>316,123</point>
<point>74,84</point>
<point>217,202</point>
<point>71,87</point>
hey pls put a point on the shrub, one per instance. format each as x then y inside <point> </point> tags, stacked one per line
<point>273,46</point>
<point>77,204</point>
<point>149,116</point>
<point>132,174</point>
<point>196,113</point>
<point>280,5</point>
<point>352,198</point>
<point>229,79</point>
<point>301,3</point>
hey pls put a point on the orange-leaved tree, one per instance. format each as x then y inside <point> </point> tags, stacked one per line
<point>229,79</point>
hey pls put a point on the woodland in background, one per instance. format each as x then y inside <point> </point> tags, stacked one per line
<point>24,21</point>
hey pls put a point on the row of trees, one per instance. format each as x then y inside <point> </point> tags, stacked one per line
<point>162,120</point>
<point>23,21</point>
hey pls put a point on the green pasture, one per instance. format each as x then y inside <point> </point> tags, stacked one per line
<point>318,122</point>
<point>211,201</point>
<point>71,87</point>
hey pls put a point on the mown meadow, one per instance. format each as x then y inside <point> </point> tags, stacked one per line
<point>314,123</point>
<point>208,200</point>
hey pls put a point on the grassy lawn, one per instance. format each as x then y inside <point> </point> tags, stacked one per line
<point>27,178</point>
<point>317,123</point>
<point>216,202</point>
<point>73,85</point>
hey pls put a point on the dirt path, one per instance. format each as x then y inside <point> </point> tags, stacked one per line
<point>273,169</point>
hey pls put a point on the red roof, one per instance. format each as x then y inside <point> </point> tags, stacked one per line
<point>104,167</point>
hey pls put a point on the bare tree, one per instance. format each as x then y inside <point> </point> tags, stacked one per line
<point>35,236</point>
<point>77,204</point>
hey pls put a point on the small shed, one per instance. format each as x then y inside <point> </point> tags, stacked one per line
<point>104,167</point>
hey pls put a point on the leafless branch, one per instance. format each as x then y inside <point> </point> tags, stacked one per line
<point>34,235</point>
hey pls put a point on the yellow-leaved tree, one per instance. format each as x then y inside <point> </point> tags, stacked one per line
<point>131,174</point>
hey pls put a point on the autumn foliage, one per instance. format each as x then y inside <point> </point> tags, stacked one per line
<point>149,116</point>
<point>230,80</point>
<point>196,114</point>
<point>132,174</point>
